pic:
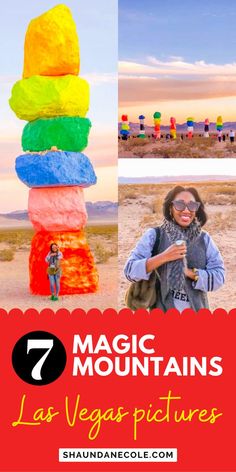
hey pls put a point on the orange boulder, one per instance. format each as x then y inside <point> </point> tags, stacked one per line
<point>79,273</point>
<point>51,44</point>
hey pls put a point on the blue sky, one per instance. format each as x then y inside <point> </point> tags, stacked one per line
<point>96,23</point>
<point>178,58</point>
<point>195,30</point>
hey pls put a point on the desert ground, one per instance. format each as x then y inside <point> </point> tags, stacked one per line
<point>140,208</point>
<point>198,147</point>
<point>14,279</point>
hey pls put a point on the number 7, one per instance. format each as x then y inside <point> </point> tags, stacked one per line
<point>39,344</point>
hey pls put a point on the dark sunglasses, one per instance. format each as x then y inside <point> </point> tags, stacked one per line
<point>180,205</point>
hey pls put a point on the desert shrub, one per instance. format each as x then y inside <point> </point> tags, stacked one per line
<point>17,237</point>
<point>6,255</point>
<point>220,221</point>
<point>101,230</point>
<point>218,199</point>
<point>133,143</point>
<point>150,221</point>
<point>131,196</point>
<point>139,141</point>
<point>140,153</point>
<point>231,148</point>
<point>102,254</point>
<point>157,205</point>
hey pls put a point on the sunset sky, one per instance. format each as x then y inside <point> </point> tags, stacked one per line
<point>178,58</point>
<point>97,29</point>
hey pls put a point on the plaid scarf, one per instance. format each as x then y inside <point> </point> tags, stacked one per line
<point>176,277</point>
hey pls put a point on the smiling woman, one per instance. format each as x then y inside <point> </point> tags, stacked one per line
<point>186,258</point>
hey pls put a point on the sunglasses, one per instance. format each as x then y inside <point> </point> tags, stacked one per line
<point>180,205</point>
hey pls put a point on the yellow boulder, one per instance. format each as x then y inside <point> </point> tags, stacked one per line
<point>46,97</point>
<point>51,44</point>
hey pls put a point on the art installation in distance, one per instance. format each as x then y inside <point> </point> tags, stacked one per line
<point>190,127</point>
<point>157,124</point>
<point>206,128</point>
<point>125,128</point>
<point>55,101</point>
<point>142,133</point>
<point>219,126</point>
<point>173,127</point>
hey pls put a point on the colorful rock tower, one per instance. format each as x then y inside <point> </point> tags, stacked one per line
<point>142,133</point>
<point>219,125</point>
<point>190,124</point>
<point>125,127</point>
<point>157,125</point>
<point>173,127</point>
<point>55,101</point>
<point>206,128</point>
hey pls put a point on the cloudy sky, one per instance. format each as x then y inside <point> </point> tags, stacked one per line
<point>97,29</point>
<point>178,58</point>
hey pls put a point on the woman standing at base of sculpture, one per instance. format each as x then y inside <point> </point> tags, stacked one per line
<point>54,270</point>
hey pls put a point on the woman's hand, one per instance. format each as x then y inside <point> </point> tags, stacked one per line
<point>189,273</point>
<point>172,253</point>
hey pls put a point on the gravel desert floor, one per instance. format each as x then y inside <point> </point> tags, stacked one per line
<point>198,147</point>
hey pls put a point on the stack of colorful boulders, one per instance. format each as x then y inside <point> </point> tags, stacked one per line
<point>142,133</point>
<point>157,125</point>
<point>219,124</point>
<point>124,127</point>
<point>54,100</point>
<point>206,128</point>
<point>173,128</point>
<point>190,124</point>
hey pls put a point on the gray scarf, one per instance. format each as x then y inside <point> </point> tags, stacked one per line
<point>174,232</point>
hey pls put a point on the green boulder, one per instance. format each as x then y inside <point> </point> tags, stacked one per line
<point>64,132</point>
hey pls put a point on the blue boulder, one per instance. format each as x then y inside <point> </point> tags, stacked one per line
<point>55,169</point>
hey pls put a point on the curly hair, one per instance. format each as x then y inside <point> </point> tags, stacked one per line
<point>200,213</point>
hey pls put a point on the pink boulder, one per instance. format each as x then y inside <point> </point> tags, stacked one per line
<point>57,208</point>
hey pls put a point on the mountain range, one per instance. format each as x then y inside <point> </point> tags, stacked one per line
<point>177,178</point>
<point>104,210</point>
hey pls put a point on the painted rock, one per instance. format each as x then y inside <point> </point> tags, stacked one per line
<point>51,44</point>
<point>55,169</point>
<point>79,273</point>
<point>57,209</point>
<point>46,97</point>
<point>66,133</point>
